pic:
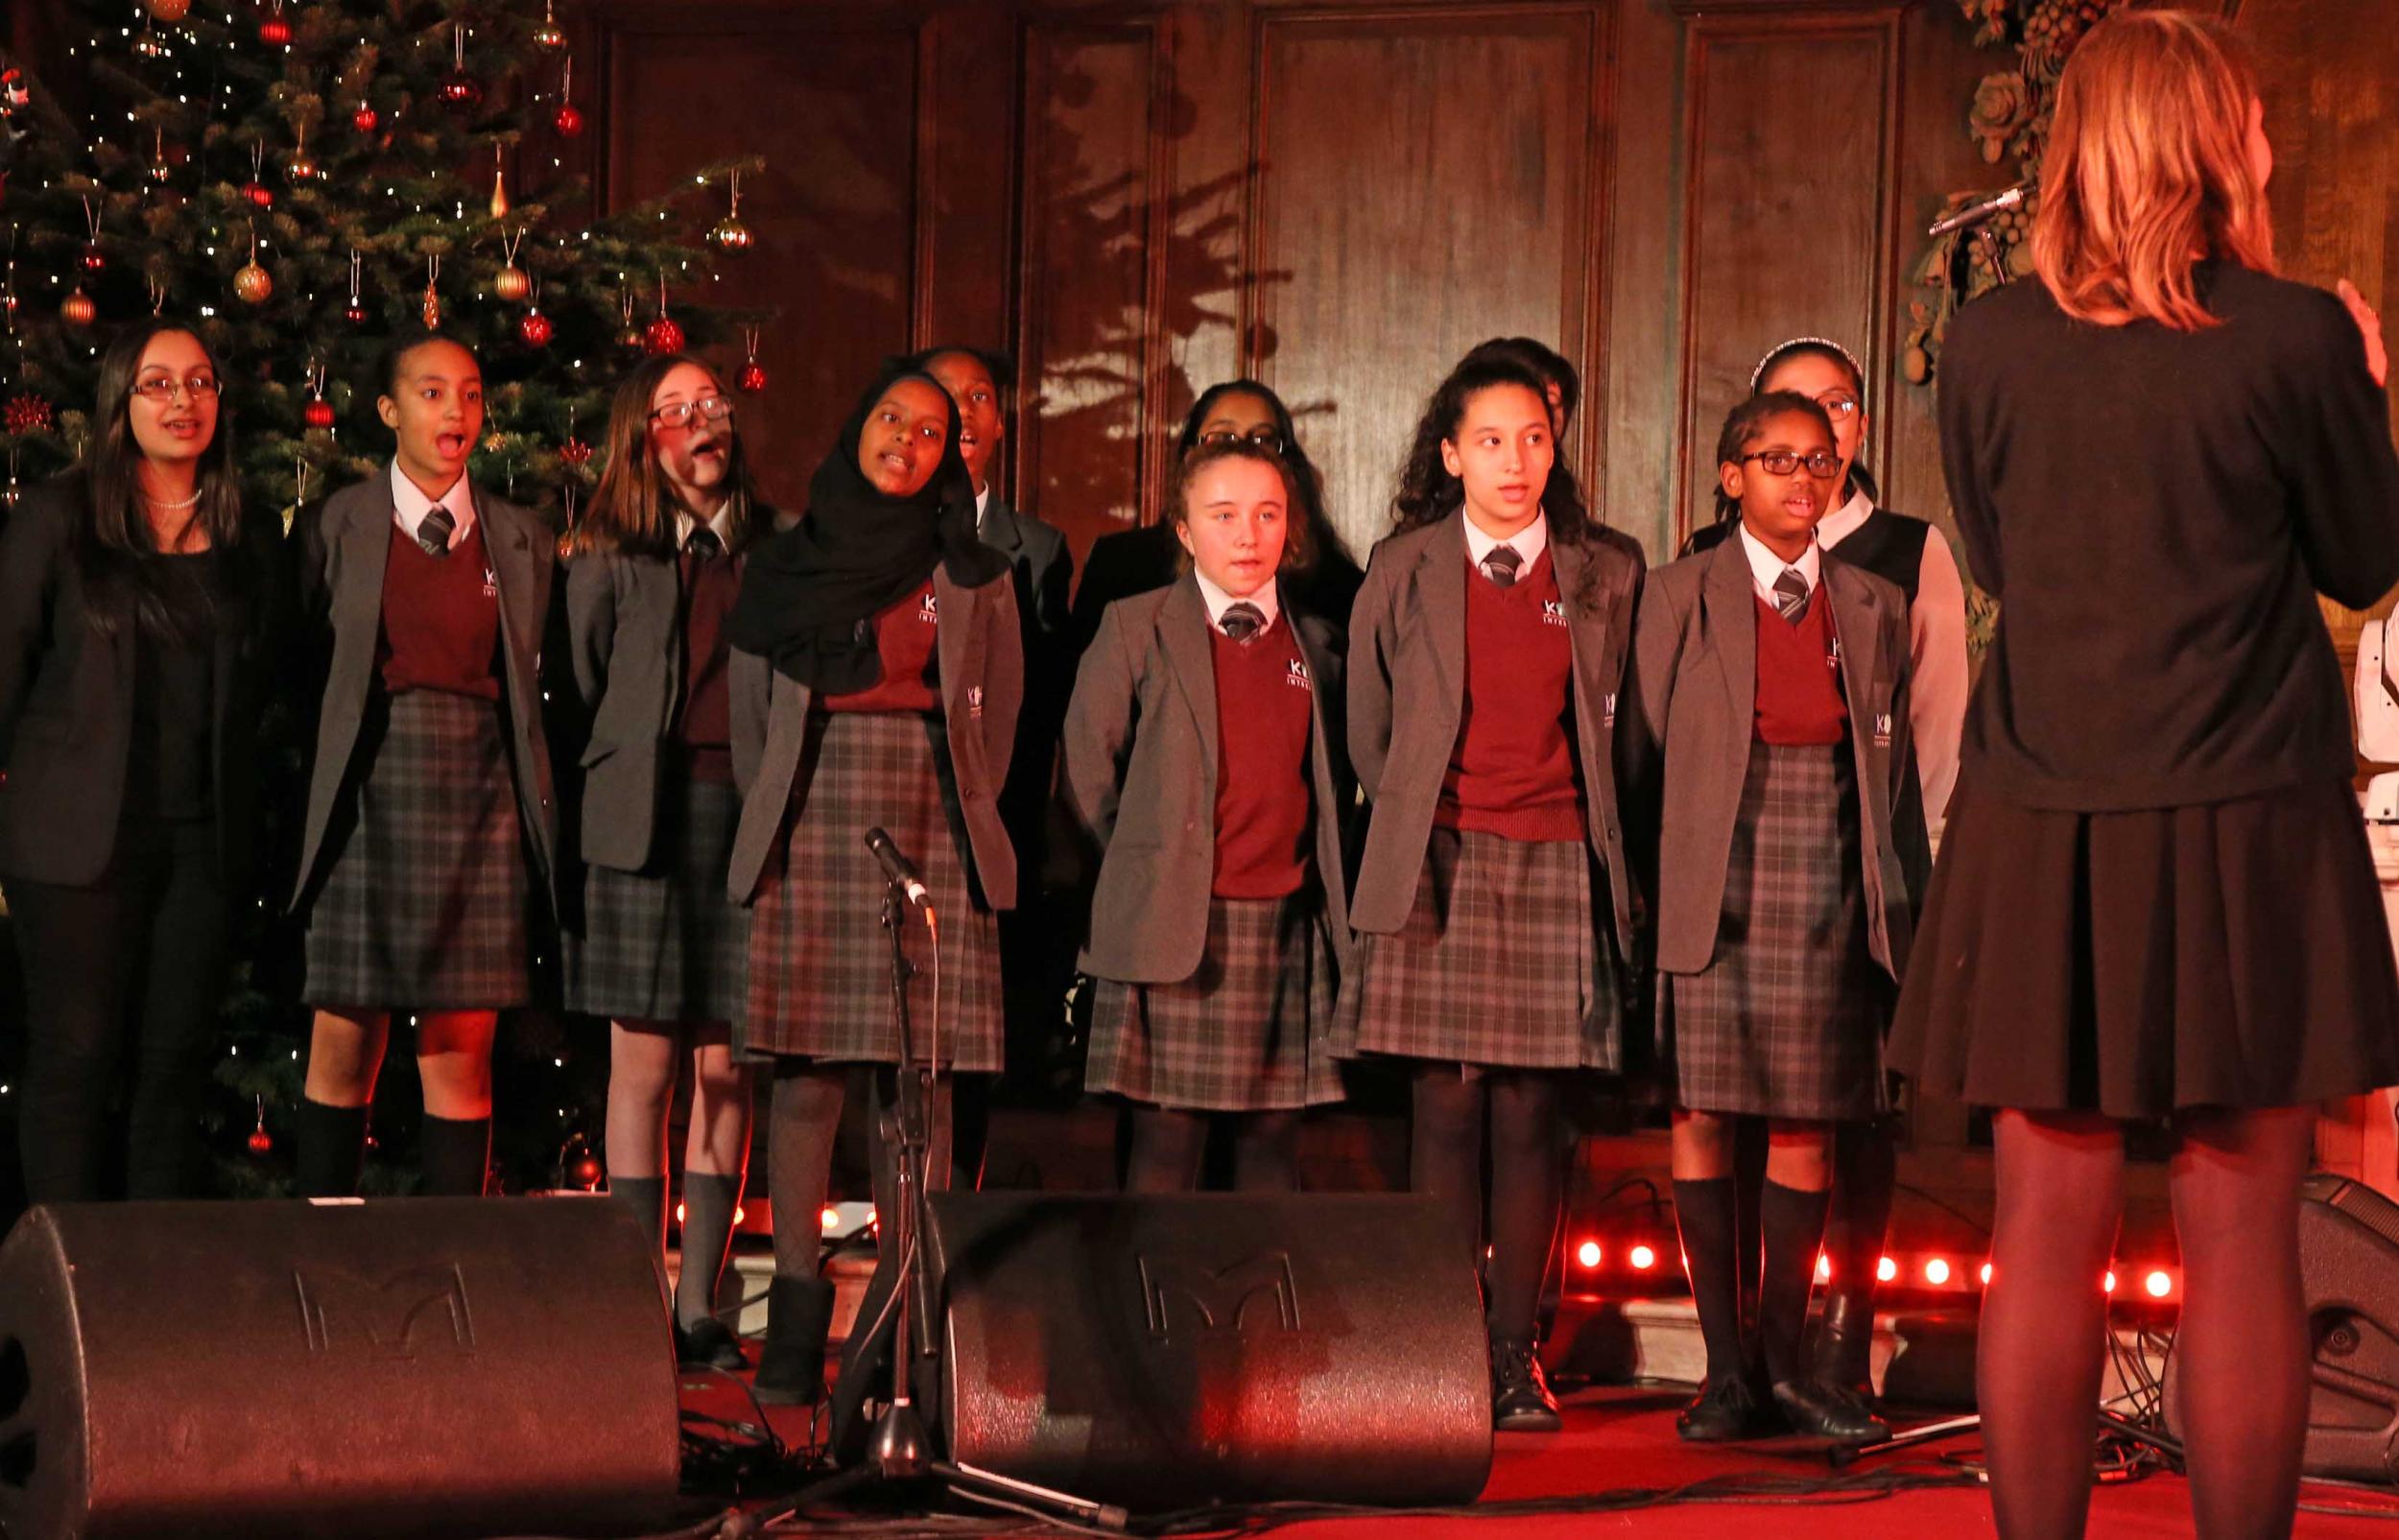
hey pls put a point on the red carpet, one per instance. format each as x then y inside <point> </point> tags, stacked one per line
<point>1617,1438</point>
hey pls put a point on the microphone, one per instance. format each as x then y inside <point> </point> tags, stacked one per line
<point>1974,214</point>
<point>898,870</point>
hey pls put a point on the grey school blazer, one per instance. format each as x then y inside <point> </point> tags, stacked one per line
<point>1408,644</point>
<point>622,613</point>
<point>1691,711</point>
<point>1139,781</point>
<point>343,545</point>
<point>982,660</point>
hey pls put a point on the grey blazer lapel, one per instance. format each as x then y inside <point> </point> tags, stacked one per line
<point>1442,590</point>
<point>1860,639</point>
<point>1000,529</point>
<point>1183,636</point>
<point>508,544</point>
<point>1728,599</point>
<point>359,544</point>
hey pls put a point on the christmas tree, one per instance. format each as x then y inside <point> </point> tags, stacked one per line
<point>302,184</point>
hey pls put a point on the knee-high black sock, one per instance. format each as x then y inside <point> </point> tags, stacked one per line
<point>1527,1181</point>
<point>1168,1144</point>
<point>328,1148</point>
<point>1703,1209</point>
<point>456,1153</point>
<point>1866,1176</point>
<point>1749,1150</point>
<point>646,1196</point>
<point>1792,1223</point>
<point>709,1200</point>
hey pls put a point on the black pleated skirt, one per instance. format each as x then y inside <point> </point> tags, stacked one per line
<point>2227,955</point>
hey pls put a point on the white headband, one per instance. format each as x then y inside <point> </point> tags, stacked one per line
<point>1780,348</point>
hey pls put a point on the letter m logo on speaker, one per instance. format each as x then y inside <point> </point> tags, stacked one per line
<point>412,1314</point>
<point>1180,1290</point>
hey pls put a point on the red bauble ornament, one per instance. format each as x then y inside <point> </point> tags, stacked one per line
<point>28,413</point>
<point>585,1172</point>
<point>534,328</point>
<point>461,91</point>
<point>664,336</point>
<point>274,32</point>
<point>567,120</point>
<point>355,314</point>
<point>92,259</point>
<point>366,120</point>
<point>318,413</point>
<point>259,192</point>
<point>575,451</point>
<point>260,1142</point>
<point>751,379</point>
<point>170,11</point>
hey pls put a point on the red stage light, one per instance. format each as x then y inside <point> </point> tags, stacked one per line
<point>1986,1272</point>
<point>2108,1283</point>
<point>2159,1283</point>
<point>678,1212</point>
<point>1887,1269</point>
<point>1589,1254</point>
<point>1936,1272</point>
<point>1823,1267</point>
<point>1642,1258</point>
<point>829,1218</point>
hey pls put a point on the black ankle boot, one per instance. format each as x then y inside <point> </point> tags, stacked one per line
<point>1845,1344</point>
<point>1521,1402</point>
<point>790,1366</point>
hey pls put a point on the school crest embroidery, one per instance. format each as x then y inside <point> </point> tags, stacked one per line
<point>928,608</point>
<point>1882,729</point>
<point>973,695</point>
<point>490,583</point>
<point>1554,611</point>
<point>1296,674</point>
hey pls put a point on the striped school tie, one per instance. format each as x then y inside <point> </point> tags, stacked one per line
<point>704,544</point>
<point>1791,594</point>
<point>434,532</point>
<point>1241,621</point>
<point>1502,566</point>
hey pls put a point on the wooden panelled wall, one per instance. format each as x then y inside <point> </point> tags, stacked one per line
<point>1336,196</point>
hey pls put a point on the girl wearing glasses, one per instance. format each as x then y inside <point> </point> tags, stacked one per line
<point>1910,553</point>
<point>1766,742</point>
<point>1492,903</point>
<point>1135,561</point>
<point>650,574</point>
<point>876,678</point>
<point>1207,782</point>
<point>137,610</point>
<point>429,822</point>
<point>2155,898</point>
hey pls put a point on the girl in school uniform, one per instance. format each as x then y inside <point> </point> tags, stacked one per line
<point>1912,555</point>
<point>1767,730</point>
<point>876,677</point>
<point>1205,772</point>
<point>1491,635</point>
<point>650,574</point>
<point>429,824</point>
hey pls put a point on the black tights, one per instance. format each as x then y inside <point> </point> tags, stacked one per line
<point>1526,1132</point>
<point>806,1115</point>
<point>1170,1146</point>
<point>2243,1348</point>
<point>122,975</point>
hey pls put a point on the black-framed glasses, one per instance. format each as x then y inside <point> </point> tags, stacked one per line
<point>1783,462</point>
<point>1265,438</point>
<point>676,413</point>
<point>162,388</point>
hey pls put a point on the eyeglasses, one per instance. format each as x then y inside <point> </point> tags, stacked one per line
<point>162,388</point>
<point>1838,404</point>
<point>1822,462</point>
<point>676,413</point>
<point>1265,438</point>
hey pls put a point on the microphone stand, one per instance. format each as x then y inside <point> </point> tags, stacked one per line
<point>900,1450</point>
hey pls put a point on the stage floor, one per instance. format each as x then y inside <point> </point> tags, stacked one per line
<point>1618,1439</point>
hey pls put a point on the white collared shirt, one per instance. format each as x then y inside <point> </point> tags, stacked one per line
<point>410,506</point>
<point>1845,520</point>
<point>720,525</point>
<point>1219,602</point>
<point>1527,542</point>
<point>1765,566</point>
<point>982,506</point>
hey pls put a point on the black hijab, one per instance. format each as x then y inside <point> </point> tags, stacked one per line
<point>809,594</point>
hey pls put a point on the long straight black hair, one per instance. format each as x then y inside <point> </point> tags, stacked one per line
<point>112,535</point>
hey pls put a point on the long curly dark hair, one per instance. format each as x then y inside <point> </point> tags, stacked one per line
<point>1428,494</point>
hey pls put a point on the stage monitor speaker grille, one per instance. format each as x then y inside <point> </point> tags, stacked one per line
<point>2349,1276</point>
<point>405,1367</point>
<point>1168,1352</point>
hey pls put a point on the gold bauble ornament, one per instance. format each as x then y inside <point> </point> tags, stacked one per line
<point>77,310</point>
<point>511,283</point>
<point>730,236</point>
<point>253,284</point>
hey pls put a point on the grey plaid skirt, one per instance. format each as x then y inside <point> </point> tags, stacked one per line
<point>424,904</point>
<point>819,966</point>
<point>665,943</point>
<point>1248,1032</point>
<point>1500,962</point>
<point>1788,1019</point>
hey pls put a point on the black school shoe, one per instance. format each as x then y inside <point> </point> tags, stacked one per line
<point>711,1341</point>
<point>1829,1411</point>
<point>790,1366</point>
<point>1726,1409</point>
<point>1521,1402</point>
